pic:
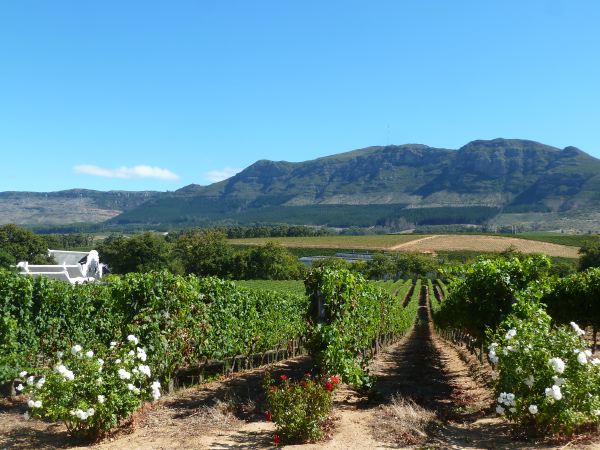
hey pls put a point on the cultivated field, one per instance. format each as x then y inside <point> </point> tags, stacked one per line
<point>422,243</point>
<point>489,244</point>
<point>369,242</point>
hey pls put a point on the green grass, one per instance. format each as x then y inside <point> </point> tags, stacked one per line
<point>575,240</point>
<point>287,286</point>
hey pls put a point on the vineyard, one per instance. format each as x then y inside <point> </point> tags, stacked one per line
<point>497,353</point>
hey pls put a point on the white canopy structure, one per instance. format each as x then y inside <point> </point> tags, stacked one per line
<point>74,267</point>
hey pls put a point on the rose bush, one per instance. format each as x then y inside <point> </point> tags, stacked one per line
<point>546,375</point>
<point>299,408</point>
<point>91,394</point>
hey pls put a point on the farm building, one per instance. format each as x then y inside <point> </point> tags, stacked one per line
<point>74,267</point>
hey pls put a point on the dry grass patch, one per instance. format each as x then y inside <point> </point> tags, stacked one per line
<point>404,422</point>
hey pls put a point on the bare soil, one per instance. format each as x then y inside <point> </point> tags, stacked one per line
<point>487,244</point>
<point>421,372</point>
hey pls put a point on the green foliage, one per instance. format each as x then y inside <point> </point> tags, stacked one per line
<point>272,261</point>
<point>300,409</point>
<point>295,287</point>
<point>183,321</point>
<point>576,297</point>
<point>22,245</point>
<point>205,253</point>
<point>483,294</point>
<point>547,376</point>
<point>590,254</point>
<point>396,265</point>
<point>88,393</point>
<point>348,316</point>
<point>144,252</point>
<point>6,259</point>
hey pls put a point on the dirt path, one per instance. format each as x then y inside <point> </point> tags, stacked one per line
<point>228,414</point>
<point>414,242</point>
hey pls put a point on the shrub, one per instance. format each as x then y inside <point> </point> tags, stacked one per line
<point>299,408</point>
<point>91,394</point>
<point>482,296</point>
<point>547,376</point>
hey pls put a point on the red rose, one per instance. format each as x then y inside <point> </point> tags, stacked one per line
<point>268,416</point>
<point>335,379</point>
<point>283,377</point>
<point>329,386</point>
<point>276,439</point>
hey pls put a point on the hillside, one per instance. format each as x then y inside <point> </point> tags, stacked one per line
<point>383,185</point>
<point>507,180</point>
<point>71,206</point>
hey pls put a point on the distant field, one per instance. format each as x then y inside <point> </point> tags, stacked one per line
<point>431,243</point>
<point>289,286</point>
<point>368,242</point>
<point>489,244</point>
<point>575,240</point>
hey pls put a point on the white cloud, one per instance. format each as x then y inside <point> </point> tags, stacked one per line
<point>127,172</point>
<point>219,175</point>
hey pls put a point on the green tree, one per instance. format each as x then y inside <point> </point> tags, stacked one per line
<point>272,261</point>
<point>145,252</point>
<point>6,259</point>
<point>205,253</point>
<point>23,245</point>
<point>589,254</point>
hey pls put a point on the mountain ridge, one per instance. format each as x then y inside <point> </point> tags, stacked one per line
<point>373,185</point>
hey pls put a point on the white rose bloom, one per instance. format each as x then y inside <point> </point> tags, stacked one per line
<point>577,330</point>
<point>558,365</point>
<point>144,369</point>
<point>101,399</point>
<point>59,354</point>
<point>69,375</point>
<point>499,409</point>
<point>100,361</point>
<point>90,412</point>
<point>37,404</point>
<point>89,353</point>
<point>41,382</point>
<point>595,361</point>
<point>155,390</point>
<point>597,412</point>
<point>529,381</point>
<point>23,374</point>
<point>582,358</point>
<point>123,374</point>
<point>141,354</point>
<point>131,353</point>
<point>30,380</point>
<point>30,403</point>
<point>113,344</point>
<point>118,361</point>
<point>75,349</point>
<point>132,338</point>
<point>558,380</point>
<point>554,392</point>
<point>20,387</point>
<point>533,409</point>
<point>511,333</point>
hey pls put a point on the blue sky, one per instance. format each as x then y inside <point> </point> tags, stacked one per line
<point>157,95</point>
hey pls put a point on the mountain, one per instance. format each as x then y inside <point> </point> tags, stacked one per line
<point>380,185</point>
<point>64,207</point>
<point>371,186</point>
